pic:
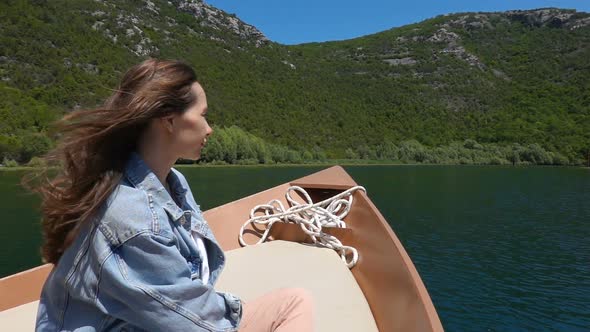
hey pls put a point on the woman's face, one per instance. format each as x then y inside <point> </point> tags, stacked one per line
<point>190,129</point>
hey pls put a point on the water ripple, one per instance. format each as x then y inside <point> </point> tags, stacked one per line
<point>499,249</point>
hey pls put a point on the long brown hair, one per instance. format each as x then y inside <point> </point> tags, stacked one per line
<point>94,146</point>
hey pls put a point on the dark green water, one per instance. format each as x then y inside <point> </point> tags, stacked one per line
<point>499,249</point>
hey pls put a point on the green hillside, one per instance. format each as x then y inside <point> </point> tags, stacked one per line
<point>472,88</point>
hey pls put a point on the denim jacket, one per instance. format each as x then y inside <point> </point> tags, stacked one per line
<point>134,267</point>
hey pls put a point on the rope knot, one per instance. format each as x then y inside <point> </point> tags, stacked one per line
<point>312,217</point>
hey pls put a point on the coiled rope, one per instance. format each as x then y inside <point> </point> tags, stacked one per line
<point>312,217</point>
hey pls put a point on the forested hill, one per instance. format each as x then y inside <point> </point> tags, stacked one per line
<point>511,82</point>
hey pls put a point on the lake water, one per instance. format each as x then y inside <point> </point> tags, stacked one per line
<point>499,248</point>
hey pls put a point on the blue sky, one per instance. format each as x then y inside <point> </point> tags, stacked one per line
<point>293,22</point>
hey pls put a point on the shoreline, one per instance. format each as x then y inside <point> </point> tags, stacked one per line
<point>326,164</point>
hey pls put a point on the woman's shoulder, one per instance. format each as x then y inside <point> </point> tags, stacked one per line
<point>129,211</point>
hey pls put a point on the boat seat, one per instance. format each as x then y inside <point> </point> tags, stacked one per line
<point>340,304</point>
<point>21,318</point>
<point>253,271</point>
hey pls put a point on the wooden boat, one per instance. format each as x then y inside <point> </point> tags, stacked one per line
<point>383,291</point>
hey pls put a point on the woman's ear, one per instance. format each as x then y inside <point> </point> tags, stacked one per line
<point>168,123</point>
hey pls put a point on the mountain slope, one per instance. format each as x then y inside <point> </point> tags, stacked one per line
<point>513,77</point>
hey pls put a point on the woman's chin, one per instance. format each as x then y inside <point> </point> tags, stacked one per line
<point>193,154</point>
<point>193,157</point>
<point>197,156</point>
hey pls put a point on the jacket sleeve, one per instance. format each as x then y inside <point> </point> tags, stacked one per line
<point>147,283</point>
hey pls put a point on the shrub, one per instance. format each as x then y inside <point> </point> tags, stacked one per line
<point>472,145</point>
<point>350,154</point>
<point>9,162</point>
<point>37,162</point>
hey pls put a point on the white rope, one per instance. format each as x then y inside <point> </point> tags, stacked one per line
<point>311,217</point>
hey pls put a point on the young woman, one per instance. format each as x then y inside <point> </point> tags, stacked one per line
<point>130,246</point>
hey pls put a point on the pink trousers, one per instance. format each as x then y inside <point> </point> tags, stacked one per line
<point>283,310</point>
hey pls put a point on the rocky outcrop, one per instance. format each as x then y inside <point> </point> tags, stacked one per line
<point>453,47</point>
<point>580,23</point>
<point>544,17</point>
<point>403,61</point>
<point>127,25</point>
<point>448,32</point>
<point>292,66</point>
<point>217,19</point>
<point>470,21</point>
<point>550,17</point>
<point>443,35</point>
<point>87,67</point>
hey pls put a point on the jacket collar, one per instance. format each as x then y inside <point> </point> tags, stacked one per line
<point>142,177</point>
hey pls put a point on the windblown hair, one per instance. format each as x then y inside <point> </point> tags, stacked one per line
<point>94,146</point>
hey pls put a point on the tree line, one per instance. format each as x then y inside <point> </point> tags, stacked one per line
<point>234,146</point>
